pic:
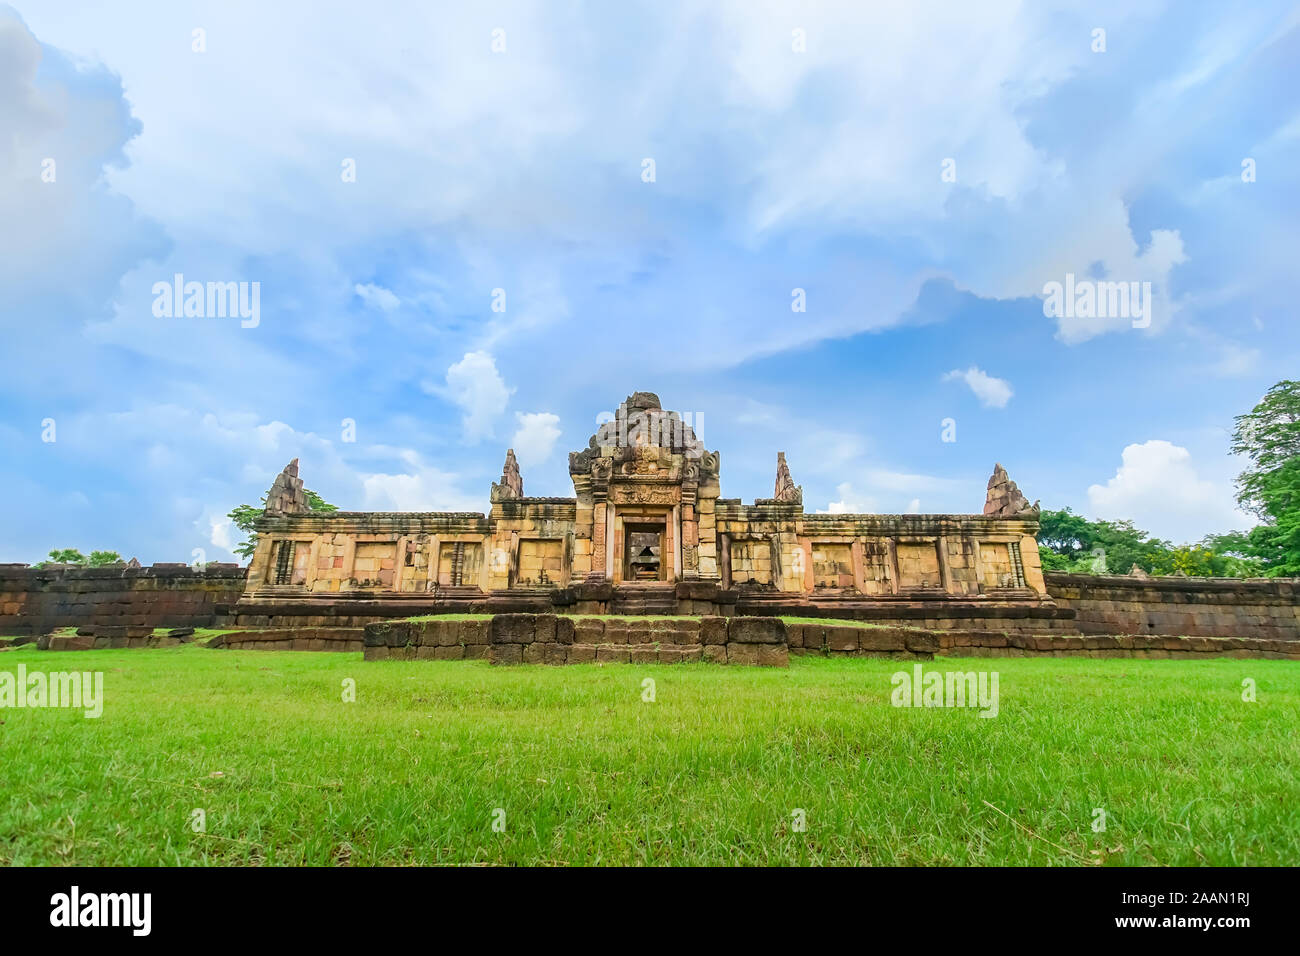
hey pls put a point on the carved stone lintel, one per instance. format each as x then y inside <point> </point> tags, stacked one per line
<point>644,495</point>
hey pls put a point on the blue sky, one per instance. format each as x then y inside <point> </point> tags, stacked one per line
<point>795,146</point>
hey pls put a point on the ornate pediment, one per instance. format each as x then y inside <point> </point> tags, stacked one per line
<point>644,444</point>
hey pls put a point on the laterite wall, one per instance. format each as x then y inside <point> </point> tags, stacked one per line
<point>36,601</point>
<point>1261,608</point>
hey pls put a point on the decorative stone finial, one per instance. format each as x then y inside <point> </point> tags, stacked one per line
<point>512,483</point>
<point>286,496</point>
<point>1004,499</point>
<point>786,489</point>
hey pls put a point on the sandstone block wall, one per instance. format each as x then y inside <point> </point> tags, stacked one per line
<point>1263,608</point>
<point>561,639</point>
<point>904,642</point>
<point>293,639</point>
<point>114,637</point>
<point>37,601</point>
<point>932,615</point>
<point>369,554</point>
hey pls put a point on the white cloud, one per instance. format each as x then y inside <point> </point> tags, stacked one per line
<point>992,392</point>
<point>427,490</point>
<point>232,458</point>
<point>881,491</point>
<point>476,386</point>
<point>535,438</point>
<point>1157,486</point>
<point>850,503</point>
<point>222,532</point>
<point>1114,246</point>
<point>377,297</point>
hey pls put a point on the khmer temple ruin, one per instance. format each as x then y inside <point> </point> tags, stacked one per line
<point>647,530</point>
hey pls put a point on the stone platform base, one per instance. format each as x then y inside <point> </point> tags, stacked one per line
<point>105,637</point>
<point>561,639</point>
<point>292,639</point>
<point>1025,613</point>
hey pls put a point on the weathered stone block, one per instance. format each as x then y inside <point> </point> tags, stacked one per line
<point>582,653</point>
<point>844,638</point>
<point>564,630</point>
<point>920,643</point>
<point>742,654</point>
<point>609,653</point>
<point>643,653</point>
<point>75,643</point>
<point>512,629</point>
<point>879,639</point>
<point>506,653</point>
<point>714,653</point>
<point>593,592</point>
<point>438,632</point>
<point>544,629</point>
<point>755,630</point>
<point>713,630</point>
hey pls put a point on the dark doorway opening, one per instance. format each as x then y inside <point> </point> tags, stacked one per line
<point>643,553</point>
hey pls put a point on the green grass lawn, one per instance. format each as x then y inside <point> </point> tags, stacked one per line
<point>588,773</point>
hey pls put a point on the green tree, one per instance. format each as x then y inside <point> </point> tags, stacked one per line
<point>66,556</point>
<point>1276,541</point>
<point>1269,436</point>
<point>97,559</point>
<point>1070,542</point>
<point>245,518</point>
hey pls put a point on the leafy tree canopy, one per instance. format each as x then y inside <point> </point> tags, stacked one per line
<point>1070,542</point>
<point>97,559</point>
<point>1269,436</point>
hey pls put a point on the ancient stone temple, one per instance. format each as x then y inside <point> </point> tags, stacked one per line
<point>646,530</point>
